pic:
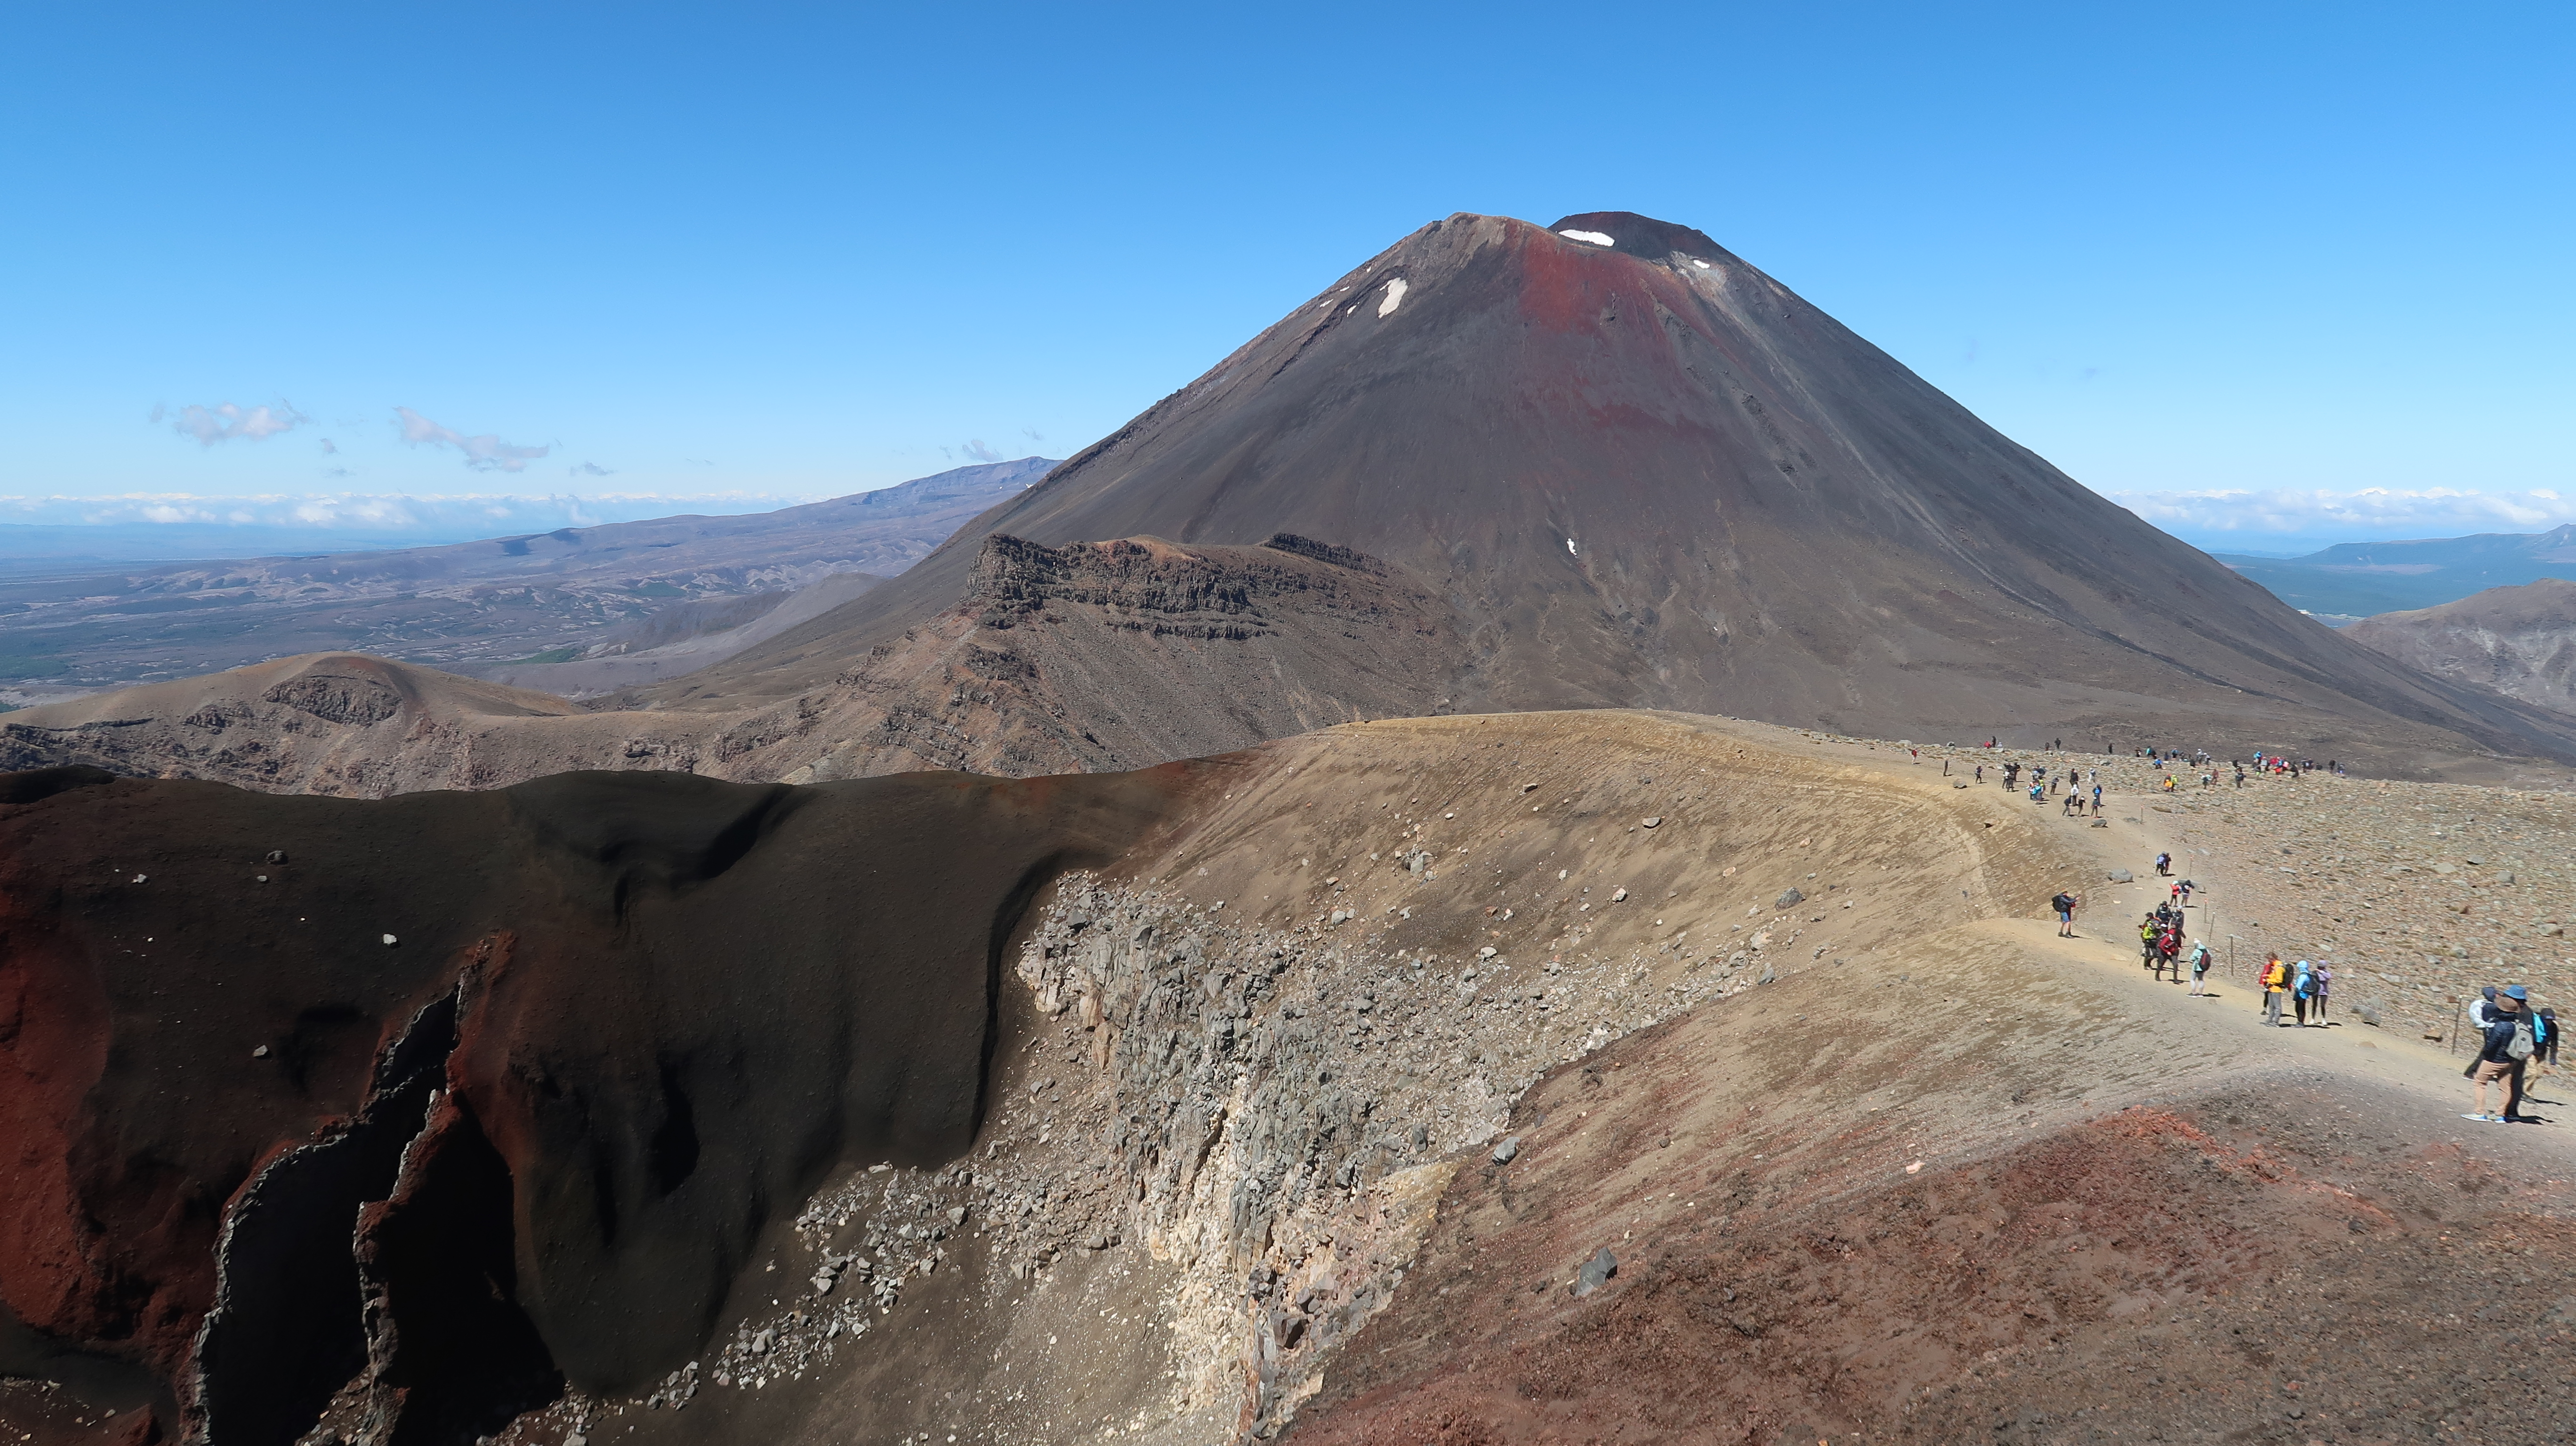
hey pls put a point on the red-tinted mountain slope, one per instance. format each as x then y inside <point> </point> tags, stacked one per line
<point>1644,472</point>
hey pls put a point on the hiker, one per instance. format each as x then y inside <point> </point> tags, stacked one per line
<point>2164,865</point>
<point>2276,981</point>
<point>2497,1061</point>
<point>2324,978</point>
<point>2482,1010</point>
<point>2303,987</point>
<point>2548,1054</point>
<point>1981,773</point>
<point>2515,1009</point>
<point>2147,942</point>
<point>2187,886</point>
<point>2200,969</point>
<point>2169,953</point>
<point>2065,903</point>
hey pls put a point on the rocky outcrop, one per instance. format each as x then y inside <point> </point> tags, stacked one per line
<point>1076,659</point>
<point>2518,641</point>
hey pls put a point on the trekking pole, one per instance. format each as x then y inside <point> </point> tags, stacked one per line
<point>2454,1040</point>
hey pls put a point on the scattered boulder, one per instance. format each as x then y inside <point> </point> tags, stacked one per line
<point>1619,896</point>
<point>1656,822</point>
<point>1787,897</point>
<point>1508,1151</point>
<point>277,856</point>
<point>2121,876</point>
<point>1596,1272</point>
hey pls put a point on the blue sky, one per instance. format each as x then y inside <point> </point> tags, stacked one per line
<point>479,261</point>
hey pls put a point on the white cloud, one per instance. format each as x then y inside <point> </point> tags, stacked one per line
<point>225,422</point>
<point>981,453</point>
<point>2374,513</point>
<point>447,515</point>
<point>483,453</point>
<point>589,469</point>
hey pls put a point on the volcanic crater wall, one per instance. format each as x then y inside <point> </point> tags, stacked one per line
<point>446,1094</point>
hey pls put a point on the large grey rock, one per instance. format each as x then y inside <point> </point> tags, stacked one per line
<point>1787,897</point>
<point>1596,1272</point>
<point>1507,1151</point>
<point>2121,876</point>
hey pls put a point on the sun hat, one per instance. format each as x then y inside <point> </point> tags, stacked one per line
<point>2516,991</point>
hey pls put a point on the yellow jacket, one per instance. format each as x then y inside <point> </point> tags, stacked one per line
<point>2276,978</point>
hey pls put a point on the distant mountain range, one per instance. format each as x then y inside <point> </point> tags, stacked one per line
<point>496,605</point>
<point>2358,579</point>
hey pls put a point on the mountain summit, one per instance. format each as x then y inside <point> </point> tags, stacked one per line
<point>1644,473</point>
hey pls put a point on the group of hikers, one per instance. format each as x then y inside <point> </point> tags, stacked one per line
<point>2207,769</point>
<point>2509,1033</point>
<point>2160,938</point>
<point>2511,1036</point>
<point>2307,986</point>
<point>2043,783</point>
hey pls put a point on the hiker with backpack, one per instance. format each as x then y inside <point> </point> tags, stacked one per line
<point>2323,977</point>
<point>2164,866</point>
<point>2508,1047</point>
<point>2276,983</point>
<point>2066,902</point>
<point>2303,987</point>
<point>2200,969</point>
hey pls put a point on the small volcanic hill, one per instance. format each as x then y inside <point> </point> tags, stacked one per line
<point>2519,641</point>
<point>330,723</point>
<point>1646,474</point>
<point>1502,1079</point>
<point>1057,660</point>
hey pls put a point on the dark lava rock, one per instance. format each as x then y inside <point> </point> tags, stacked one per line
<point>1596,1272</point>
